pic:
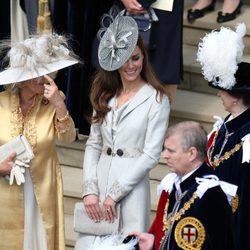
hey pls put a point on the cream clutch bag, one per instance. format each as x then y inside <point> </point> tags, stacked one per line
<point>20,145</point>
<point>83,224</point>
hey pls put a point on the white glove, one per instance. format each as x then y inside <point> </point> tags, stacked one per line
<point>18,171</point>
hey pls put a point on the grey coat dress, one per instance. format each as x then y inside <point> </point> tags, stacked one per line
<point>139,133</point>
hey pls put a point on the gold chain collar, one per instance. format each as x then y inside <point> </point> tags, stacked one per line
<point>176,216</point>
<point>167,223</point>
<point>216,162</point>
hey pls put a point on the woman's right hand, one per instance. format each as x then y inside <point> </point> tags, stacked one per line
<point>92,207</point>
<point>133,6</point>
<point>7,164</point>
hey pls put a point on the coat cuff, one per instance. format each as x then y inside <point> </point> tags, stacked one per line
<point>90,187</point>
<point>117,191</point>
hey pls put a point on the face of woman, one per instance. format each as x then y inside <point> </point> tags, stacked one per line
<point>36,85</point>
<point>131,70</point>
<point>228,101</point>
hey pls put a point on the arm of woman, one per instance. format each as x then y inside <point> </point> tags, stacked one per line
<point>90,184</point>
<point>154,138</point>
<point>65,126</point>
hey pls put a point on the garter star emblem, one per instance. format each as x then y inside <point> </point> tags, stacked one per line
<point>190,234</point>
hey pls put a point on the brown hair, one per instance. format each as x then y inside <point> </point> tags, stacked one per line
<point>107,84</point>
<point>244,96</point>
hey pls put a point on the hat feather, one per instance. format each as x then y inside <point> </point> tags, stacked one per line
<point>36,56</point>
<point>38,51</point>
<point>219,54</point>
<point>113,242</point>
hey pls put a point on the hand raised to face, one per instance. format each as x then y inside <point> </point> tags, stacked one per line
<point>52,93</point>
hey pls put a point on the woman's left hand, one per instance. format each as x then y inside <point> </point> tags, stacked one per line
<point>52,93</point>
<point>109,209</point>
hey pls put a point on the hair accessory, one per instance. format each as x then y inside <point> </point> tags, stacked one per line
<point>219,54</point>
<point>37,56</point>
<point>117,43</point>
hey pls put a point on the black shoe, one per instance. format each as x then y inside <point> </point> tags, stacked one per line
<point>225,17</point>
<point>194,14</point>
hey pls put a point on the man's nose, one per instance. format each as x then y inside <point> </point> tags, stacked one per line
<point>165,154</point>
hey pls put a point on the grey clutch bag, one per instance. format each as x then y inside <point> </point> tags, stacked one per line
<point>83,224</point>
<point>20,145</point>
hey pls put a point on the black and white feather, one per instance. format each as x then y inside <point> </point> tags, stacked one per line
<point>113,242</point>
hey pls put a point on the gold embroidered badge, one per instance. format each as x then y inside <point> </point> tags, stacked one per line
<point>235,203</point>
<point>190,234</point>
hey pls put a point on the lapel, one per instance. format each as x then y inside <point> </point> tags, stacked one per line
<point>190,181</point>
<point>108,119</point>
<point>189,184</point>
<point>141,96</point>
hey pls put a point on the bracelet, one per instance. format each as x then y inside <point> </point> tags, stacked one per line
<point>63,119</point>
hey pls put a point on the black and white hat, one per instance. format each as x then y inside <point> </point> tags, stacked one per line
<point>220,55</point>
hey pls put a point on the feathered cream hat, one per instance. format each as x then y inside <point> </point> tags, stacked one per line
<point>37,56</point>
<point>220,55</point>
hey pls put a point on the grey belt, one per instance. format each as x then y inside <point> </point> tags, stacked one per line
<point>121,152</point>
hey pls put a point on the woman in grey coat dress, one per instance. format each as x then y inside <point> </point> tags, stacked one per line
<point>127,132</point>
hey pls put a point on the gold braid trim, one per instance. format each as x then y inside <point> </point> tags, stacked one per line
<point>201,234</point>
<point>24,124</point>
<point>216,162</point>
<point>44,17</point>
<point>177,216</point>
<point>167,223</point>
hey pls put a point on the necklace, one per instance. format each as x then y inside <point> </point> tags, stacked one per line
<point>168,222</point>
<point>176,216</point>
<point>218,160</point>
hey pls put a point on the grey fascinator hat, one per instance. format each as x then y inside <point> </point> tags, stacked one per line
<point>35,57</point>
<point>220,55</point>
<point>118,42</point>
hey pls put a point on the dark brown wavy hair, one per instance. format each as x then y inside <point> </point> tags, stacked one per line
<point>107,84</point>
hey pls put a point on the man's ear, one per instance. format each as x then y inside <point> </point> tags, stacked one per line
<point>192,153</point>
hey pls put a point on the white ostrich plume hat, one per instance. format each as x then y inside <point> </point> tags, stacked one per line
<point>219,54</point>
<point>35,57</point>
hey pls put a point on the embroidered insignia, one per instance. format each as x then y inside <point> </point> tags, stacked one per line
<point>235,203</point>
<point>190,234</point>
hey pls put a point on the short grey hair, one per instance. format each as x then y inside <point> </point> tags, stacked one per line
<point>192,135</point>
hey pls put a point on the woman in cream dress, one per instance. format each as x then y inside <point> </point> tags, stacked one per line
<point>32,216</point>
